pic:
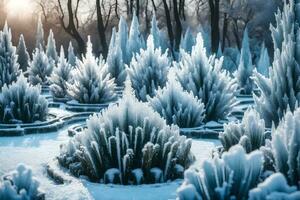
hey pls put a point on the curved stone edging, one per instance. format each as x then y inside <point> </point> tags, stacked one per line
<point>78,107</point>
<point>43,127</point>
<point>39,127</point>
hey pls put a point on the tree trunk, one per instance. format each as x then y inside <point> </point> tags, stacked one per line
<point>101,29</point>
<point>214,21</point>
<point>178,30</point>
<point>169,24</point>
<point>225,26</point>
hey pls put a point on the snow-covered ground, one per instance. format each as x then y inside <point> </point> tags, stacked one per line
<point>39,149</point>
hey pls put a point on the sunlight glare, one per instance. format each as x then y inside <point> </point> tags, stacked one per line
<point>19,7</point>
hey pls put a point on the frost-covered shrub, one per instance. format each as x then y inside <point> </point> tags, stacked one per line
<point>21,102</point>
<point>206,80</point>
<point>286,147</point>
<point>20,185</point>
<point>91,83</point>
<point>159,38</point>
<point>60,76</point>
<point>274,187</point>
<point>115,64</point>
<point>188,41</point>
<point>23,56</point>
<point>128,143</point>
<point>229,177</point>
<point>71,55</point>
<point>51,47</point>
<point>245,68</point>
<point>263,63</point>
<point>250,133</point>
<point>148,70</point>
<point>177,106</point>
<point>9,67</point>
<point>40,68</point>
<point>39,34</point>
<point>281,91</point>
<point>135,40</point>
<point>122,39</point>
<point>231,59</point>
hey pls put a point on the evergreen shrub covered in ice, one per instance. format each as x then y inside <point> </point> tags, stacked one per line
<point>281,91</point>
<point>135,40</point>
<point>60,76</point>
<point>23,55</point>
<point>115,64</point>
<point>245,68</point>
<point>148,70</point>
<point>274,187</point>
<point>187,41</point>
<point>250,133</point>
<point>263,63</point>
<point>22,103</point>
<point>40,68</point>
<point>178,106</point>
<point>286,147</point>
<point>20,185</point>
<point>91,83</point>
<point>206,80</point>
<point>9,67</point>
<point>39,34</point>
<point>71,55</point>
<point>128,143</point>
<point>230,177</point>
<point>51,47</point>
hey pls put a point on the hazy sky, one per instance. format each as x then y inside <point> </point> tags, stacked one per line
<point>20,7</point>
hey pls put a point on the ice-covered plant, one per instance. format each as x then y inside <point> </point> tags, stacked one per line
<point>40,68</point>
<point>23,56</point>
<point>250,133</point>
<point>20,185</point>
<point>281,91</point>
<point>39,34</point>
<point>286,147</point>
<point>263,63</point>
<point>177,106</point>
<point>274,187</point>
<point>135,41</point>
<point>60,76</point>
<point>148,70</point>
<point>22,103</point>
<point>91,83</point>
<point>188,41</point>
<point>122,39</point>
<point>245,68</point>
<point>128,143</point>
<point>206,80</point>
<point>51,47</point>
<point>71,55</point>
<point>115,64</point>
<point>229,177</point>
<point>9,67</point>
<point>159,38</point>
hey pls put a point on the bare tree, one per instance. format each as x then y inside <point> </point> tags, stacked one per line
<point>73,23</point>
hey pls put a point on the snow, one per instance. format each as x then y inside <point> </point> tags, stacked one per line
<point>39,149</point>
